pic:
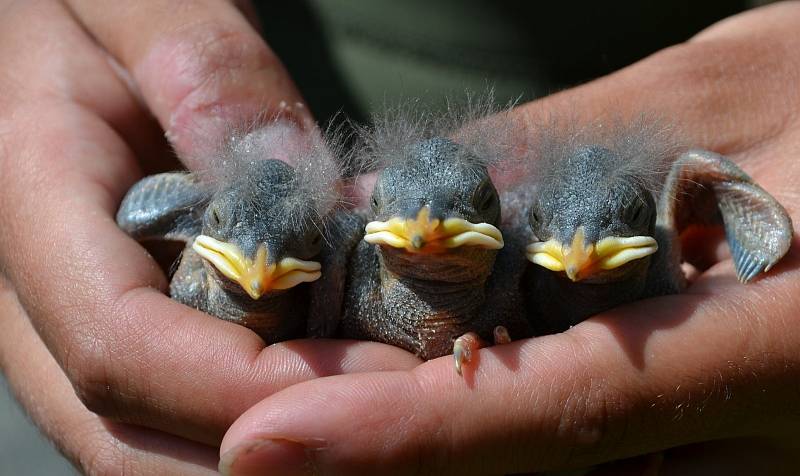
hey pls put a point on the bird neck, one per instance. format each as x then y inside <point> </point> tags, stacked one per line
<point>558,303</point>
<point>462,268</point>
<point>275,316</point>
<point>430,300</point>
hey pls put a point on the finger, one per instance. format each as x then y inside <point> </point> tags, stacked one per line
<point>733,114</point>
<point>649,376</point>
<point>46,54</point>
<point>198,64</point>
<point>96,447</point>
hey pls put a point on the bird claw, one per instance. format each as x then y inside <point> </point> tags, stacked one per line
<point>463,349</point>
<point>470,342</point>
<point>501,335</point>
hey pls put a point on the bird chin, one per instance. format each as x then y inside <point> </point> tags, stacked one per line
<point>233,288</point>
<point>432,252</point>
<point>455,262</point>
<point>630,270</point>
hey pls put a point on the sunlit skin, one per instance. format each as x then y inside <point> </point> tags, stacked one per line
<point>714,371</point>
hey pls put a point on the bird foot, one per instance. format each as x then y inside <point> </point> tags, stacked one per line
<point>464,347</point>
<point>501,336</point>
<point>470,342</point>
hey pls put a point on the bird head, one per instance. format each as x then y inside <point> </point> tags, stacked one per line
<point>592,221</point>
<point>435,202</point>
<point>259,233</point>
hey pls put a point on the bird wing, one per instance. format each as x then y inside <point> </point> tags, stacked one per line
<point>504,303</point>
<point>166,206</point>
<point>344,231</point>
<point>705,188</point>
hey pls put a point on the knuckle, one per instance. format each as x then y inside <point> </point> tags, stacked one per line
<point>430,450</point>
<point>88,447</point>
<point>92,383</point>
<point>92,447</point>
<point>100,459</point>
<point>594,415</point>
<point>106,456</point>
<point>214,69</point>
<point>108,363</point>
<point>92,363</point>
<point>204,55</point>
<point>103,379</point>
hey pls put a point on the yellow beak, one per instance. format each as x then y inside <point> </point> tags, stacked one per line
<point>425,235</point>
<point>256,277</point>
<point>579,260</point>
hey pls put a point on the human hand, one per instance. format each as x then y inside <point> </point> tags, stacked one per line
<point>718,363</point>
<point>77,130</point>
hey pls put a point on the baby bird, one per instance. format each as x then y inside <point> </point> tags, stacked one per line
<point>252,225</point>
<point>424,278</point>
<point>606,214</point>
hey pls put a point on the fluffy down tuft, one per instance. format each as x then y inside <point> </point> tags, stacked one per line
<point>318,160</point>
<point>487,135</point>
<point>645,148</point>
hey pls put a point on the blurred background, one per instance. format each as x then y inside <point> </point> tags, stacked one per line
<point>23,451</point>
<point>354,57</point>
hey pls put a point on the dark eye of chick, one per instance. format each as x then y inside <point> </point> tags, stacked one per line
<point>486,197</point>
<point>534,216</point>
<point>374,202</point>
<point>216,221</point>
<point>535,219</point>
<point>635,213</point>
<point>310,245</point>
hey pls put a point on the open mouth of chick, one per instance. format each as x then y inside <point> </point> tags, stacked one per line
<point>425,235</point>
<point>580,260</point>
<point>255,276</point>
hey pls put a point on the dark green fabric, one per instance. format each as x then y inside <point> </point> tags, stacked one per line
<point>357,55</point>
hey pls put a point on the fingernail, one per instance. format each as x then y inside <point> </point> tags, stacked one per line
<point>276,456</point>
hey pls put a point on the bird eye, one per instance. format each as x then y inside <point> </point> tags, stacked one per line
<point>215,217</point>
<point>636,214</point>
<point>486,196</point>
<point>313,243</point>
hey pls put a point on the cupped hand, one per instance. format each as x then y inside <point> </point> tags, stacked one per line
<point>87,91</point>
<point>717,363</point>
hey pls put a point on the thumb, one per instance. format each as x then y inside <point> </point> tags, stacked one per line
<point>198,65</point>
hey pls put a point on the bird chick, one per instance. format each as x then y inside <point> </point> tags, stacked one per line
<point>606,213</point>
<point>422,278</point>
<point>252,225</point>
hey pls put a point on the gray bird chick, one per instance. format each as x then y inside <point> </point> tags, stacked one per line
<point>424,278</point>
<point>606,215</point>
<point>252,225</point>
